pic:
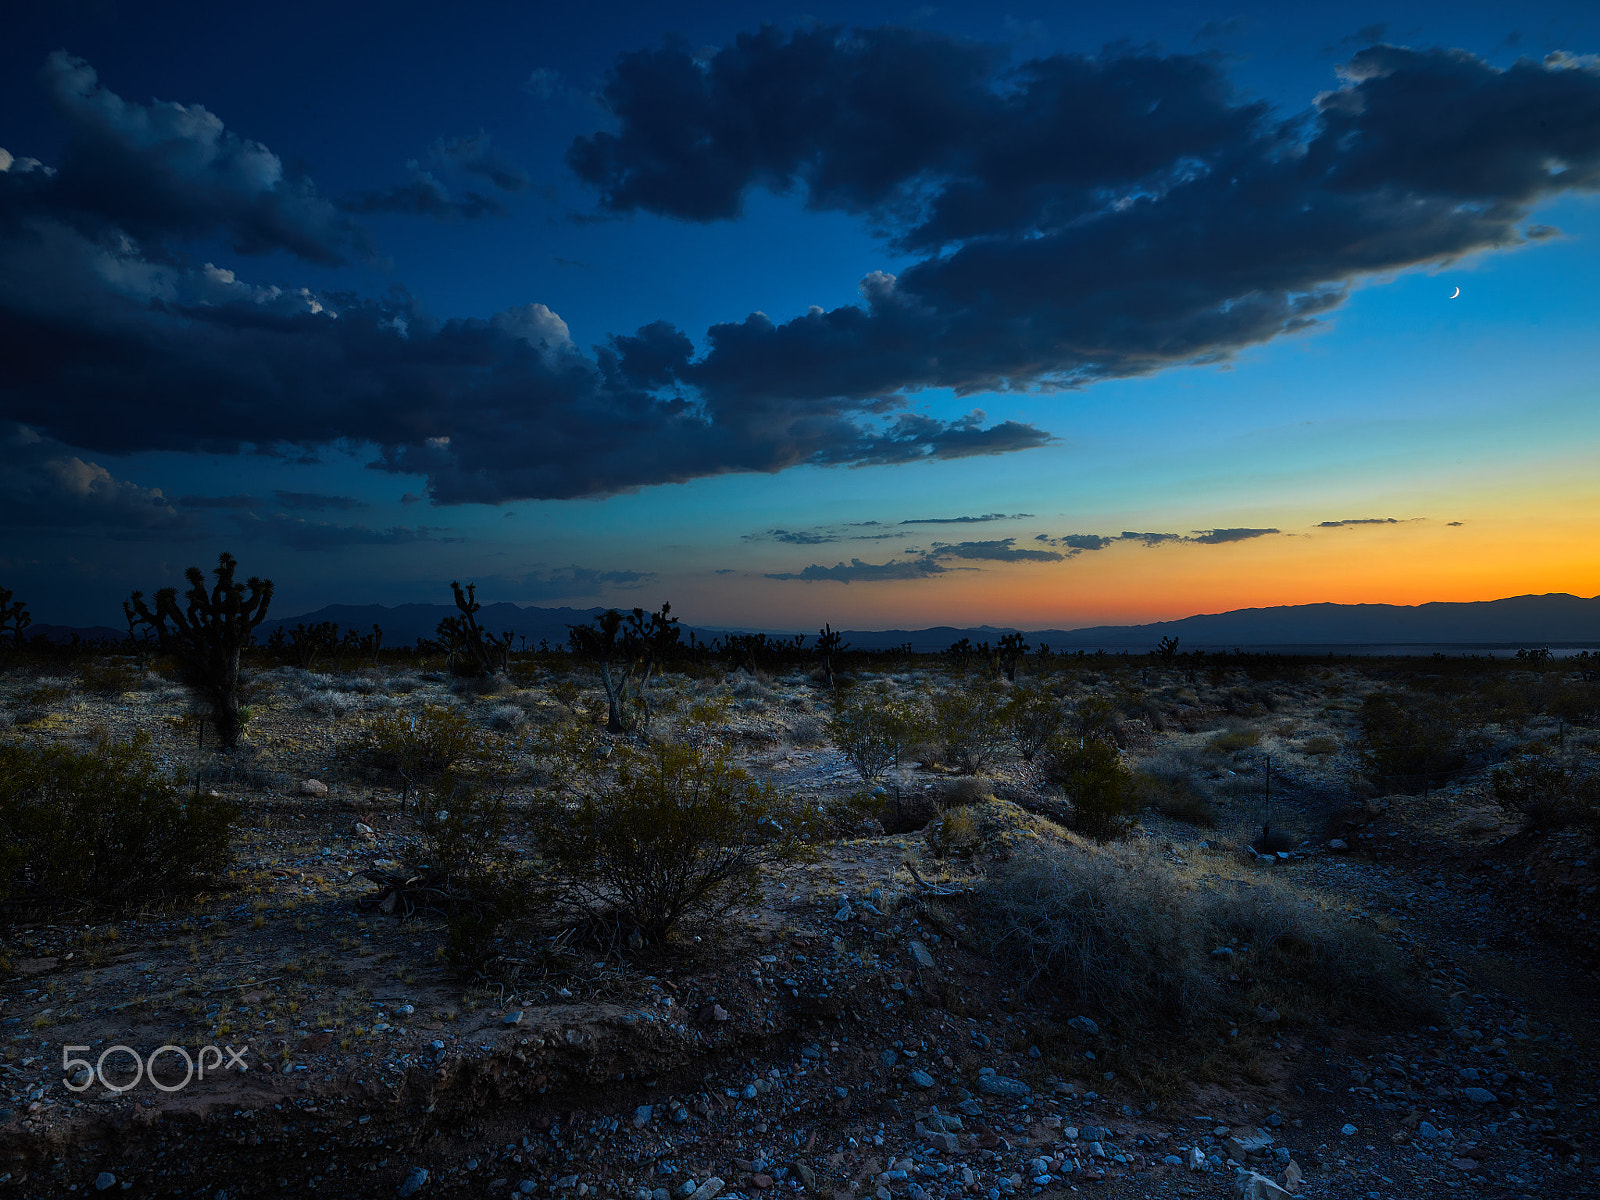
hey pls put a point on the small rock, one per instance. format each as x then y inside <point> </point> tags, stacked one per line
<point>922,955</point>
<point>761,1182</point>
<point>1292,1175</point>
<point>1349,1130</point>
<point>1002,1085</point>
<point>512,1018</point>
<point>707,1189</point>
<point>680,1115</point>
<point>921,1079</point>
<point>1339,845</point>
<point>361,830</point>
<point>844,914</point>
<point>315,787</point>
<point>1084,1025</point>
<point>1480,1095</point>
<point>104,1180</point>
<point>641,1116</point>
<point>418,1175</point>
<point>1197,1159</point>
<point>808,1177</point>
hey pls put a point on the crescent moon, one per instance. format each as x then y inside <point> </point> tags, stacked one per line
<point>1455,293</point>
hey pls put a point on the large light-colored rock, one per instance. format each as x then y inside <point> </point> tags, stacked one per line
<point>1242,1143</point>
<point>1254,1186</point>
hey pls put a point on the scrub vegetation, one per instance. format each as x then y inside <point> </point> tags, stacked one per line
<point>1155,841</point>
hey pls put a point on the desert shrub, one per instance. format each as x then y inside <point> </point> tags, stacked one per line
<point>1232,741</point>
<point>33,704</point>
<point>807,730</point>
<point>1097,782</point>
<point>417,747</point>
<point>679,831</point>
<point>954,833</point>
<point>103,827</point>
<point>968,789</point>
<point>331,703</point>
<point>1035,717</point>
<point>970,725</point>
<point>240,770</point>
<point>1119,931</point>
<point>1172,796</point>
<point>1319,746</point>
<point>481,687</point>
<point>1547,794</point>
<point>1408,741</point>
<point>1094,717</point>
<point>110,677</point>
<point>506,718</point>
<point>873,732</point>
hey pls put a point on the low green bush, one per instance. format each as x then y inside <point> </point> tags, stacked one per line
<point>417,747</point>
<point>873,732</point>
<point>103,827</point>
<point>677,832</point>
<point>970,724</point>
<point>1097,782</point>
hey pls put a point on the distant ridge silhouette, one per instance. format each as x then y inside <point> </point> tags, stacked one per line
<point>1556,619</point>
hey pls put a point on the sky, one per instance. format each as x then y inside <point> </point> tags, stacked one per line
<point>1036,315</point>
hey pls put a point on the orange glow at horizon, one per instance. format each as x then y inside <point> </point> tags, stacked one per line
<point>1484,558</point>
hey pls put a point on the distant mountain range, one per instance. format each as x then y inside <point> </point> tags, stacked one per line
<point>1557,619</point>
<point>1552,620</point>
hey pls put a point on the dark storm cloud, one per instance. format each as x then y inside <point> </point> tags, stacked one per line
<point>1345,524</point>
<point>966,520</point>
<point>1002,550</point>
<point>1095,217</point>
<point>856,571</point>
<point>317,501</point>
<point>1078,218</point>
<point>43,484</point>
<point>164,170</point>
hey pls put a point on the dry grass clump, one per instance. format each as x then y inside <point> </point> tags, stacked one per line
<point>1232,741</point>
<point>1121,931</point>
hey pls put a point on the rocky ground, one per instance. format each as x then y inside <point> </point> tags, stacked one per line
<point>846,1037</point>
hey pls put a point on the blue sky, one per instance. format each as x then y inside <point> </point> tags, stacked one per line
<point>299,325</point>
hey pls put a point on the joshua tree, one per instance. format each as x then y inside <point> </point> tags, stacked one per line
<point>829,643</point>
<point>472,651</point>
<point>14,617</point>
<point>207,634</point>
<point>627,652</point>
<point>1011,652</point>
